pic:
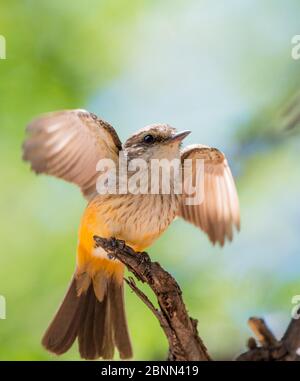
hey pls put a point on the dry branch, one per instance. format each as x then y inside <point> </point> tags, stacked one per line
<point>286,349</point>
<point>180,329</point>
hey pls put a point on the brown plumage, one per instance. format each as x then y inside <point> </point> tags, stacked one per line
<point>219,211</point>
<point>98,325</point>
<point>68,144</point>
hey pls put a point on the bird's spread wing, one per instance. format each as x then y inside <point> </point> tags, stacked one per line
<point>68,144</point>
<point>219,210</point>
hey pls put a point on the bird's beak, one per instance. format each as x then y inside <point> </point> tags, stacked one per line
<point>179,136</point>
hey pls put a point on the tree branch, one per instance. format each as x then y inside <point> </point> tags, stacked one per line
<point>179,328</point>
<point>287,349</point>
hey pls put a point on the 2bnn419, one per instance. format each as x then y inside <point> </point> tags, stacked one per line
<point>169,370</point>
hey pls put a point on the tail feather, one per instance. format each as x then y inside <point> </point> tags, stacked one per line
<point>99,325</point>
<point>63,329</point>
<point>108,341</point>
<point>86,341</point>
<point>121,334</point>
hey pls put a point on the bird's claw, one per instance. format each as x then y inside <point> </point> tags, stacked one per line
<point>114,244</point>
<point>144,258</point>
<point>145,261</point>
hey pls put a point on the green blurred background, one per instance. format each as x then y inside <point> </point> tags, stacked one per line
<point>222,70</point>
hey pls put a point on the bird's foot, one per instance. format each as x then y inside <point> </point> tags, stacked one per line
<point>145,262</point>
<point>110,245</point>
<point>144,258</point>
<point>113,245</point>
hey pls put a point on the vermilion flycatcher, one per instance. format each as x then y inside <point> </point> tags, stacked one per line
<point>69,144</point>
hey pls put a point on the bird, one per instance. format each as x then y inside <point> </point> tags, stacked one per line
<point>68,144</point>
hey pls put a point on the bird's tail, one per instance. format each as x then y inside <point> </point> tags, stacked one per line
<point>92,310</point>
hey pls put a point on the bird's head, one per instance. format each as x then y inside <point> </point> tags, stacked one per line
<point>157,141</point>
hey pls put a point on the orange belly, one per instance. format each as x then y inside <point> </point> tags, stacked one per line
<point>137,221</point>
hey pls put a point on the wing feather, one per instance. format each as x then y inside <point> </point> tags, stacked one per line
<point>219,211</point>
<point>68,144</point>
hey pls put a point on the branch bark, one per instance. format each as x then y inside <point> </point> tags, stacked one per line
<point>180,329</point>
<point>271,349</point>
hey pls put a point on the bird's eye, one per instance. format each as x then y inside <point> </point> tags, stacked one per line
<point>149,139</point>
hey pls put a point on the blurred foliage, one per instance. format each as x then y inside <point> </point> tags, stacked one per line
<point>59,52</point>
<point>134,61</point>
